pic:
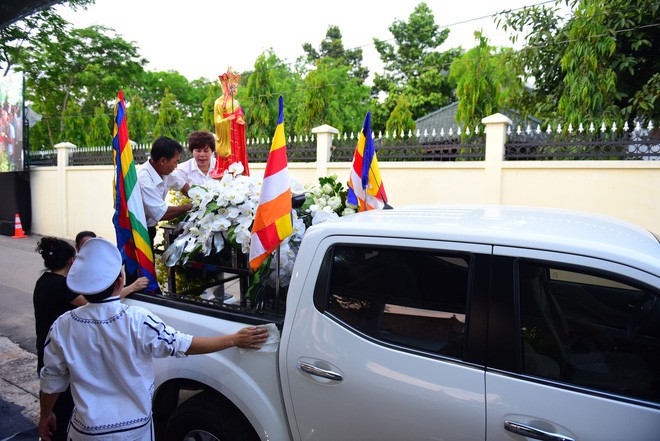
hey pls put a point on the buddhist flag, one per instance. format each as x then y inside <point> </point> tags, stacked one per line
<point>129,219</point>
<point>272,221</point>
<point>366,188</point>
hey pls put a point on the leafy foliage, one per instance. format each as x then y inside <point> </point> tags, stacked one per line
<point>37,28</point>
<point>261,96</point>
<point>71,76</point>
<point>331,96</point>
<point>99,132</point>
<point>599,62</point>
<point>333,47</point>
<point>168,116</point>
<point>401,119</point>
<point>485,82</point>
<point>413,67</point>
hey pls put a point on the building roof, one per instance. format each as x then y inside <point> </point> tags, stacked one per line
<point>445,119</point>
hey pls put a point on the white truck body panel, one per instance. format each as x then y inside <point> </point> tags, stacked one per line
<point>389,392</point>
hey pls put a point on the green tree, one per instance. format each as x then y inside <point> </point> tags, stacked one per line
<point>73,126</point>
<point>600,62</point>
<point>169,116</point>
<point>85,67</point>
<point>401,119</point>
<point>333,47</point>
<point>485,82</point>
<point>260,103</point>
<point>140,120</point>
<point>413,66</point>
<point>99,132</point>
<point>190,97</point>
<point>331,96</point>
<point>213,91</point>
<point>39,27</point>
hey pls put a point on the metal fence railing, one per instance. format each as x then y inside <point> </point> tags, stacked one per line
<point>604,142</point>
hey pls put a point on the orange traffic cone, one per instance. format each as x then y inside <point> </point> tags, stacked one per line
<point>18,228</point>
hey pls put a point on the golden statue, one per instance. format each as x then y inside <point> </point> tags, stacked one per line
<point>229,121</point>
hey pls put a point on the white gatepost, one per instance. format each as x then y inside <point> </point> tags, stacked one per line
<point>496,127</point>
<point>63,152</point>
<point>324,135</point>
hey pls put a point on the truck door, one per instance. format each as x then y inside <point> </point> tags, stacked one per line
<point>582,359</point>
<point>388,343</point>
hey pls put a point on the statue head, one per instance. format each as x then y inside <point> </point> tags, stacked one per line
<point>229,81</point>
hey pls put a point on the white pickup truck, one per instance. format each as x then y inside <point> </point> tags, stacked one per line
<point>428,323</point>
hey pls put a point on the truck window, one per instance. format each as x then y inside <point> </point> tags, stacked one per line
<point>410,298</point>
<point>588,329</point>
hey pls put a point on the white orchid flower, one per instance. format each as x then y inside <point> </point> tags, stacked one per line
<point>233,212</point>
<point>196,192</point>
<point>236,168</point>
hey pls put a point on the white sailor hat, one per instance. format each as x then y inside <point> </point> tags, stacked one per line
<point>95,268</point>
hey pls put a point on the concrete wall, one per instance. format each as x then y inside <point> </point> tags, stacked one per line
<point>67,199</point>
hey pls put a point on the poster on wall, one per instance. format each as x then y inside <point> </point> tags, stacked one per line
<point>11,122</point>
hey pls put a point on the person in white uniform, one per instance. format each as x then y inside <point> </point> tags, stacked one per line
<point>195,171</point>
<point>105,352</point>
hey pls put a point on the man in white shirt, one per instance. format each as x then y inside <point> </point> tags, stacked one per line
<point>105,352</point>
<point>156,179</point>
<point>196,170</point>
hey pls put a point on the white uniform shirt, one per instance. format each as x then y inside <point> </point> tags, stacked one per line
<point>105,351</point>
<point>189,172</point>
<point>154,190</point>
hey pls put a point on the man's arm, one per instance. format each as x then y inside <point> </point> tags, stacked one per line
<point>174,211</point>
<point>47,420</point>
<point>185,189</point>
<point>249,338</point>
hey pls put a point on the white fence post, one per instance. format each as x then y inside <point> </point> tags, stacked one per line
<point>324,135</point>
<point>496,126</point>
<point>63,152</point>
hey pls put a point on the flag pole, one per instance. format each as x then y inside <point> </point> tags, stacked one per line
<point>277,282</point>
<point>380,190</point>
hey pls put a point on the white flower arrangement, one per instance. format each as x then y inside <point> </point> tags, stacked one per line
<point>222,212</point>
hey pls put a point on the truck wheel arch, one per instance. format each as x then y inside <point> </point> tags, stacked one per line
<point>211,413</point>
<point>206,410</point>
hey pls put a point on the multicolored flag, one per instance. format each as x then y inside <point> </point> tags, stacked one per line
<point>366,188</point>
<point>129,219</point>
<point>272,221</point>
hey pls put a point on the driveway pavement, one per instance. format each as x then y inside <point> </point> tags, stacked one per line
<point>20,266</point>
<point>19,392</point>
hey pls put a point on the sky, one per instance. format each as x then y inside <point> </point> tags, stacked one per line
<point>202,38</point>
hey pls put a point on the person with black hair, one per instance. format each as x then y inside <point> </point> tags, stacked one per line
<point>82,237</point>
<point>51,299</point>
<point>137,285</point>
<point>155,179</point>
<point>197,170</point>
<point>105,351</point>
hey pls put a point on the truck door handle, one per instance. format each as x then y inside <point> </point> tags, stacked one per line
<point>531,432</point>
<point>316,371</point>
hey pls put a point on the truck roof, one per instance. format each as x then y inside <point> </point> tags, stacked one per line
<point>549,229</point>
